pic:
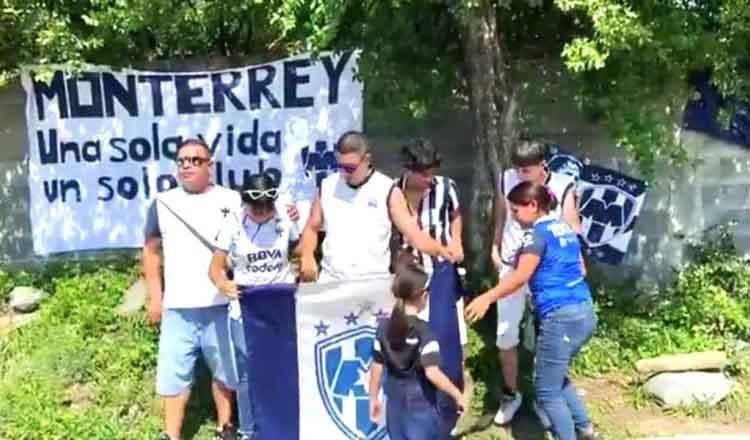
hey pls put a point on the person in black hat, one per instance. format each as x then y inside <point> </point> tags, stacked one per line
<point>255,246</point>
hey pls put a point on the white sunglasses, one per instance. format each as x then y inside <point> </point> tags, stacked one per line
<point>256,194</point>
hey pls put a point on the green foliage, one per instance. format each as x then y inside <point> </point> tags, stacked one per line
<point>706,308</point>
<point>633,60</point>
<point>80,371</point>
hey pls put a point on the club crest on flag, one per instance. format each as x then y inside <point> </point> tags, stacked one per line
<point>342,363</point>
<point>610,211</point>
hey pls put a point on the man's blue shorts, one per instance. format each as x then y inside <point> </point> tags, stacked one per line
<point>184,334</point>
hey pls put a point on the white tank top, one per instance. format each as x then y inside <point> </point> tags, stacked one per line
<point>560,185</point>
<point>358,227</point>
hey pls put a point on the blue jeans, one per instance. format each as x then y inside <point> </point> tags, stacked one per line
<point>244,399</point>
<point>562,333</point>
<point>411,412</point>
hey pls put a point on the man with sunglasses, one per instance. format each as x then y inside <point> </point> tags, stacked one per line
<point>357,208</point>
<point>192,311</point>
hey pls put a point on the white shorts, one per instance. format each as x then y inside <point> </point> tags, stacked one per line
<point>509,315</point>
<point>463,335</point>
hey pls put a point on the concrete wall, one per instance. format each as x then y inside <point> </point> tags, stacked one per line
<point>678,206</point>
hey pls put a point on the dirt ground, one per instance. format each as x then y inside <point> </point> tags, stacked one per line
<point>619,413</point>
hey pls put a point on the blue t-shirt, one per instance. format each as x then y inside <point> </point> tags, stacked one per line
<point>558,280</point>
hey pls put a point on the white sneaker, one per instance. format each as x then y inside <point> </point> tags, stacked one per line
<point>509,404</point>
<point>543,417</point>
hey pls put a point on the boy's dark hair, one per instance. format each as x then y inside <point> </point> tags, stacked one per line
<point>527,153</point>
<point>420,154</point>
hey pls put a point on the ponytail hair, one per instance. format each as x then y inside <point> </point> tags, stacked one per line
<point>527,192</point>
<point>408,284</point>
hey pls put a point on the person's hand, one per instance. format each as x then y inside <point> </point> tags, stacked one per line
<point>154,311</point>
<point>229,288</point>
<point>447,254</point>
<point>457,250</point>
<point>375,410</point>
<point>308,269</point>
<point>292,212</point>
<point>460,403</point>
<point>495,255</point>
<point>477,308</point>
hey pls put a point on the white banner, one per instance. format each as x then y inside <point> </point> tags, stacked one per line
<point>103,142</point>
<point>336,326</point>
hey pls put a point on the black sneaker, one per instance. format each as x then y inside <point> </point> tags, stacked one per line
<point>226,432</point>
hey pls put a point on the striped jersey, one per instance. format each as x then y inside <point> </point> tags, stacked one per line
<point>437,207</point>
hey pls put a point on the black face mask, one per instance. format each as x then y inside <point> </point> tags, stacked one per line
<point>264,204</point>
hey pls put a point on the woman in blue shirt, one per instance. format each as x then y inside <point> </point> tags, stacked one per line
<point>550,262</point>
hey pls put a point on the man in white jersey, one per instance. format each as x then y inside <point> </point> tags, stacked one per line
<point>192,311</point>
<point>529,164</point>
<point>357,208</point>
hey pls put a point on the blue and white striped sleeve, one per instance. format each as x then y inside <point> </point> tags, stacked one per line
<point>453,204</point>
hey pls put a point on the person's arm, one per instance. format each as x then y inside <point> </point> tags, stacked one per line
<point>500,217</point>
<point>218,273</point>
<point>309,242</point>
<point>583,266</point>
<point>408,227</point>
<point>151,261</point>
<point>570,211</point>
<point>436,376</point>
<point>456,244</point>
<point>376,375</point>
<point>534,247</point>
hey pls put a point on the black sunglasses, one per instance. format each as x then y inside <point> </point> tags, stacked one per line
<point>195,161</point>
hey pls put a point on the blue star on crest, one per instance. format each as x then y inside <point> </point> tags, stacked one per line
<point>321,329</point>
<point>351,319</point>
<point>381,315</point>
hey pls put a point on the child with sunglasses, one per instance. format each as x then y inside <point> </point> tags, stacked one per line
<point>255,246</point>
<point>409,354</point>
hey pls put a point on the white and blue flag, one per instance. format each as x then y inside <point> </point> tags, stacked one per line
<point>310,352</point>
<point>609,203</point>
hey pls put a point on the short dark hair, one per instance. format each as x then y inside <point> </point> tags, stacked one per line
<point>195,142</point>
<point>526,192</point>
<point>420,153</point>
<point>527,153</point>
<point>353,142</point>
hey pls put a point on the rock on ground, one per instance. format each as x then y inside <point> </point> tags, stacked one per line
<point>133,299</point>
<point>680,389</point>
<point>25,299</point>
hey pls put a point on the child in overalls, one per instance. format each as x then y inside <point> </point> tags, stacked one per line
<point>410,356</point>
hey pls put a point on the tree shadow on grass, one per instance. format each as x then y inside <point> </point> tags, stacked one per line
<point>486,369</point>
<point>200,409</point>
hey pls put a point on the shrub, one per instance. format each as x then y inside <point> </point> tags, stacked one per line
<point>80,371</point>
<point>707,307</point>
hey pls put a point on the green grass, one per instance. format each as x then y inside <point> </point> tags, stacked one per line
<point>81,371</point>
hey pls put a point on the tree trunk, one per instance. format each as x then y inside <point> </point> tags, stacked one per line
<point>492,107</point>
